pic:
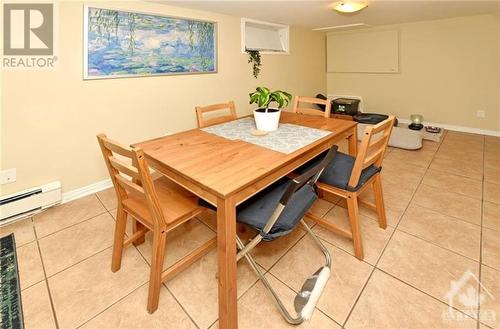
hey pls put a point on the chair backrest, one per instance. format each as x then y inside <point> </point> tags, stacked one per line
<point>312,110</point>
<point>309,177</point>
<point>132,164</point>
<point>205,122</point>
<point>372,150</point>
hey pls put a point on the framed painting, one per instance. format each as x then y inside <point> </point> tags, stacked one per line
<point>120,44</point>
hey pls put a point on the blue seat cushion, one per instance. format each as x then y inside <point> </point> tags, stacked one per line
<point>338,172</point>
<point>257,210</point>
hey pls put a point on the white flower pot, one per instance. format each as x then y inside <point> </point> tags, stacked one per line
<point>267,121</point>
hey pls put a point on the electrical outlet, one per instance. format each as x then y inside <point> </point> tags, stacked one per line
<point>481,114</point>
<point>7,176</point>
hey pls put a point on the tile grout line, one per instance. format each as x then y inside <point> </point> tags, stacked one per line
<point>83,259</point>
<point>454,217</point>
<point>441,247</point>
<point>140,286</point>
<point>119,299</point>
<point>478,324</point>
<point>491,267</point>
<point>423,292</point>
<point>79,262</point>
<point>23,288</point>
<point>480,246</point>
<point>164,283</point>
<point>479,262</point>
<point>276,262</point>
<point>392,235</point>
<point>458,193</point>
<point>111,305</point>
<point>72,225</point>
<point>415,236</point>
<point>47,286</point>
<point>102,202</point>
<point>335,247</point>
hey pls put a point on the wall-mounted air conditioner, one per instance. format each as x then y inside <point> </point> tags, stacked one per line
<point>268,38</point>
<point>25,203</point>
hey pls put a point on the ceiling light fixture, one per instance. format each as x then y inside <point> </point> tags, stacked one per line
<point>349,6</point>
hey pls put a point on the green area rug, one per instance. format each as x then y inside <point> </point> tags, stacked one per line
<point>11,311</point>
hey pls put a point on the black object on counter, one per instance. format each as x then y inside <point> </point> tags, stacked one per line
<point>369,118</point>
<point>347,106</point>
<point>416,126</point>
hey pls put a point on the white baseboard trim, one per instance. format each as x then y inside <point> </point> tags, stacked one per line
<point>86,190</point>
<point>458,128</point>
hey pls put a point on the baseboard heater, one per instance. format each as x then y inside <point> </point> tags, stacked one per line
<point>28,202</point>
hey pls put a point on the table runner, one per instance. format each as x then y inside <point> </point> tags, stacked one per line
<point>287,139</point>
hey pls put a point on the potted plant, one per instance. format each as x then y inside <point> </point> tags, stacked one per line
<point>267,118</point>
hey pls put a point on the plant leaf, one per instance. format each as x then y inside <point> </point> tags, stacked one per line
<point>254,98</point>
<point>264,100</point>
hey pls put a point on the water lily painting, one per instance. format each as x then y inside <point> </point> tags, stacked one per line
<point>126,44</point>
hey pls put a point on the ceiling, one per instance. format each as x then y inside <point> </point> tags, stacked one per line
<point>316,14</point>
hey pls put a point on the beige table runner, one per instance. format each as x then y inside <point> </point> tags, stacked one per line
<point>287,139</point>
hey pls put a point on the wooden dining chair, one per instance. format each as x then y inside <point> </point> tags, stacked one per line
<point>317,103</point>
<point>348,177</point>
<point>214,119</point>
<point>159,205</point>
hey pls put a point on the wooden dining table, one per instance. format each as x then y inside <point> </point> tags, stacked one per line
<point>227,172</point>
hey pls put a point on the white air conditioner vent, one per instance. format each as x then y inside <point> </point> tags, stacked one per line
<point>268,38</point>
<point>27,202</point>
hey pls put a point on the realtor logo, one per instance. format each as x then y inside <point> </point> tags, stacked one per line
<point>28,29</point>
<point>467,294</point>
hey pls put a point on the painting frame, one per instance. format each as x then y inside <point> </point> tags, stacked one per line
<point>86,76</point>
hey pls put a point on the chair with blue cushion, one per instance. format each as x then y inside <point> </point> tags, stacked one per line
<point>275,212</point>
<point>347,176</point>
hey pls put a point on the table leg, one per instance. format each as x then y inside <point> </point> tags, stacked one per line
<point>353,141</point>
<point>226,252</point>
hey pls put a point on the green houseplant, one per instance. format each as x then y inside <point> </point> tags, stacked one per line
<point>267,118</point>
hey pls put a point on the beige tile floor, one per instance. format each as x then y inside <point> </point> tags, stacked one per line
<point>443,208</point>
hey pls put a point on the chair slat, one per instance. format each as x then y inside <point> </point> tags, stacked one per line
<point>378,143</point>
<point>201,110</point>
<point>382,125</point>
<point>311,111</point>
<point>130,186</point>
<point>117,148</point>
<point>215,121</point>
<point>312,100</point>
<point>372,158</point>
<point>124,168</point>
<point>371,152</point>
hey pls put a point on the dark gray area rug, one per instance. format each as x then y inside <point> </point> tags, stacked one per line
<point>11,311</point>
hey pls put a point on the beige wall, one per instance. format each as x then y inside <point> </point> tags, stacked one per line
<point>448,70</point>
<point>50,118</point>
